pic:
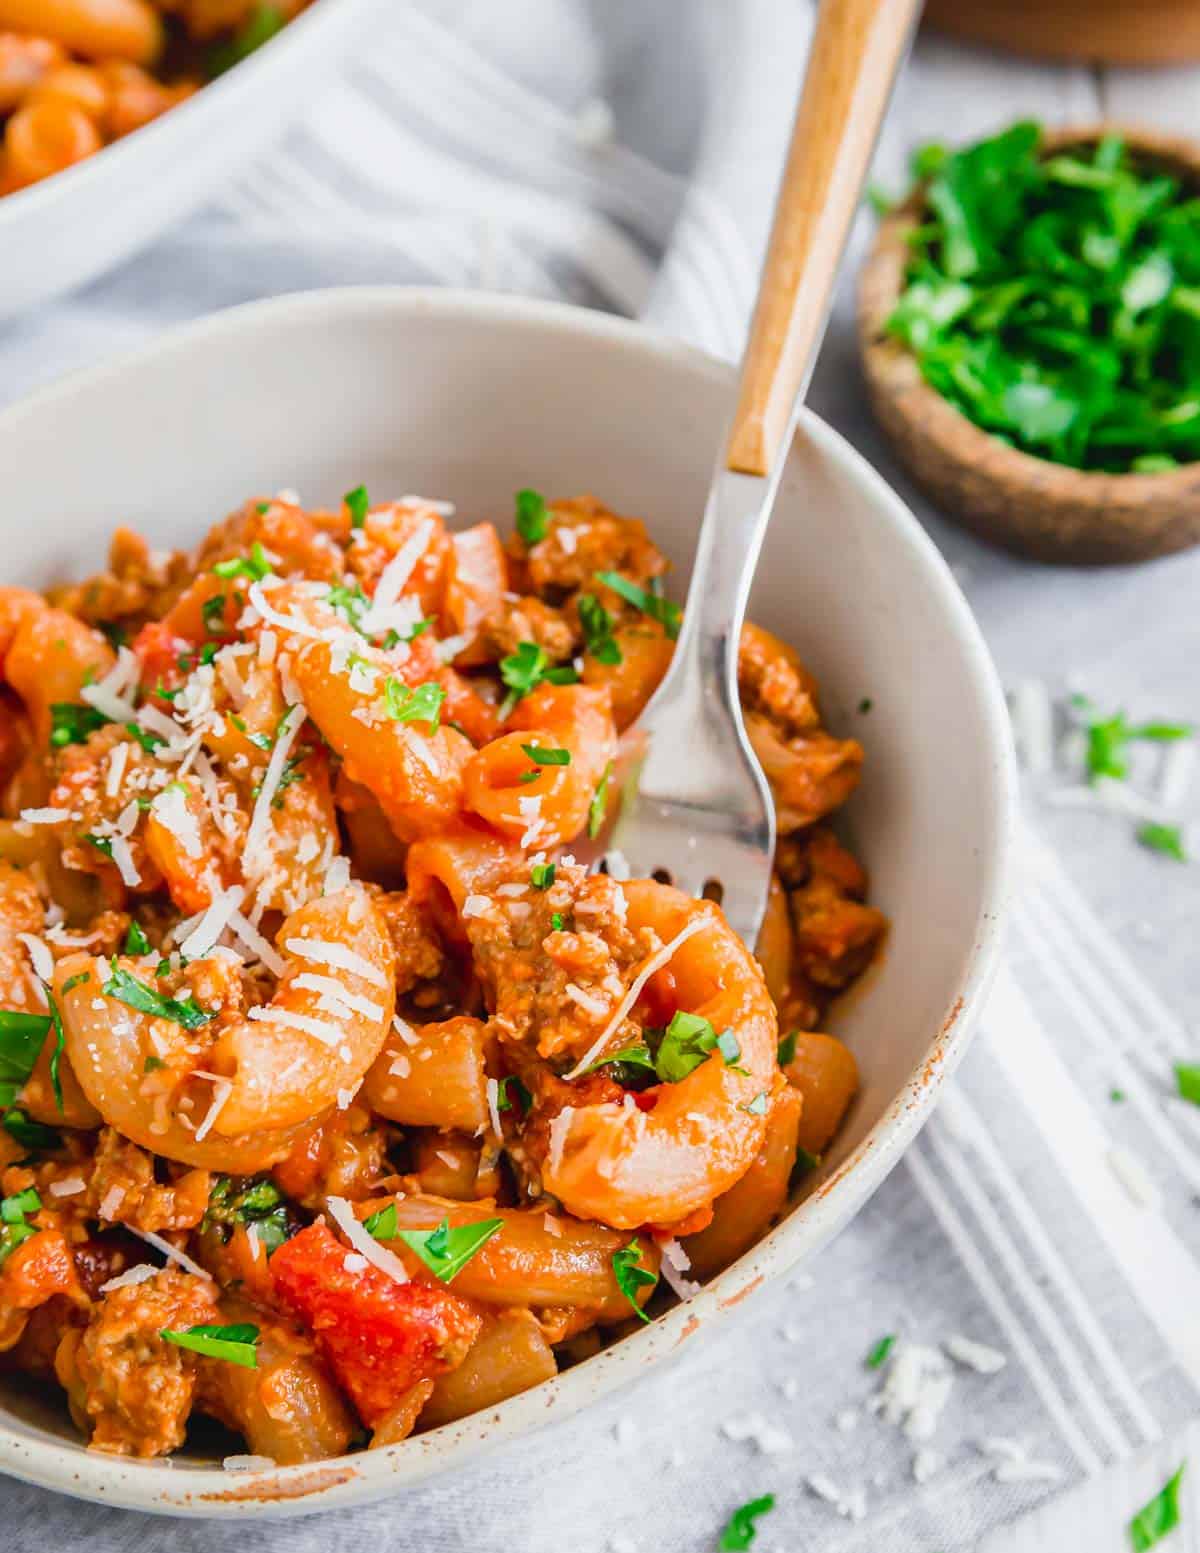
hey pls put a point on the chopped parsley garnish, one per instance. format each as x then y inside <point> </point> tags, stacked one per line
<point>447,1251</point>
<point>256,565</point>
<point>806,1161</point>
<point>1187,1081</point>
<point>27,1132</point>
<point>71,722</point>
<point>654,605</point>
<point>358,504</point>
<point>148,740</point>
<point>1167,839</point>
<point>133,993</point>
<point>878,1356</point>
<point>13,1227</point>
<point>757,1106</point>
<point>60,1045</point>
<point>541,875</point>
<point>865,705</point>
<point>383,1225</point>
<point>740,1530</point>
<point>597,629</point>
<point>102,844</point>
<point>1052,300</point>
<point>136,941</point>
<point>637,1055</point>
<point>259,1204</point>
<point>787,1049</point>
<point>1117,1096</point>
<point>1109,739</point>
<point>236,1344</point>
<point>22,1037</point>
<point>632,1276</point>
<point>13,1209</point>
<point>212,612</point>
<point>76,981</point>
<point>404,704</point>
<point>599,804</point>
<point>523,670</point>
<point>259,27</point>
<point>556,922</point>
<point>532,518</point>
<point>394,638</point>
<point>348,599</point>
<point>547,757</point>
<point>153,1064</point>
<point>687,1042</point>
<point>1154,1520</point>
<point>504,1099</point>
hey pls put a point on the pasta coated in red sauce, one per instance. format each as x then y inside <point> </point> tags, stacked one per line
<point>337,1100</point>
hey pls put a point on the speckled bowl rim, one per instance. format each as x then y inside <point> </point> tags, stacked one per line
<point>934,419</point>
<point>200,1490</point>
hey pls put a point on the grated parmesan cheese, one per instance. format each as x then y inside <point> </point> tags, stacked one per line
<point>172,1253</point>
<point>915,1390</point>
<point>320,1029</point>
<point>975,1356</point>
<point>675,1263</point>
<point>397,572</point>
<point>351,1002</point>
<point>222,1089</point>
<point>39,955</point>
<point>655,963</point>
<point>493,1102</point>
<point>131,1276</point>
<point>69,1186</point>
<point>212,923</point>
<point>50,816</point>
<point>256,836</point>
<point>365,1244</point>
<point>248,1463</point>
<point>770,1438</point>
<point>559,1128</point>
<point>256,943</point>
<point>475,906</point>
<point>122,856</point>
<point>170,809</point>
<point>1032,714</point>
<point>337,875</point>
<point>322,952</point>
<point>107,695</point>
<point>1134,1177</point>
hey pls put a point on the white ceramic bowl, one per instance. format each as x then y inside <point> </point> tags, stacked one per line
<point>64,231</point>
<point>472,398</point>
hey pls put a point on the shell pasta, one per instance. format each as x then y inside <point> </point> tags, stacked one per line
<point>338,1100</point>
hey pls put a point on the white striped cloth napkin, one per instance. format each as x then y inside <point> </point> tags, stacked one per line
<point>1043,1233</point>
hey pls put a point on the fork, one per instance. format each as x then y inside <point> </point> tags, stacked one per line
<point>694,806</point>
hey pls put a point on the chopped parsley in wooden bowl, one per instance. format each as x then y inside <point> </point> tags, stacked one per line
<point>1030,329</point>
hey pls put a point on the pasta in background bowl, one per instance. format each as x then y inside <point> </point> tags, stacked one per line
<point>86,86</point>
<point>475,399</point>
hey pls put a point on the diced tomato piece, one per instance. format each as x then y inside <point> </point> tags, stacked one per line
<point>379,1337</point>
<point>159,651</point>
<point>476,580</point>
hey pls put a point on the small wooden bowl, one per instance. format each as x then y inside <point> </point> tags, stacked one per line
<point>1102,32</point>
<point>1022,503</point>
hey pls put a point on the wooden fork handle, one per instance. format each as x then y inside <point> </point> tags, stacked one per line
<point>856,51</point>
